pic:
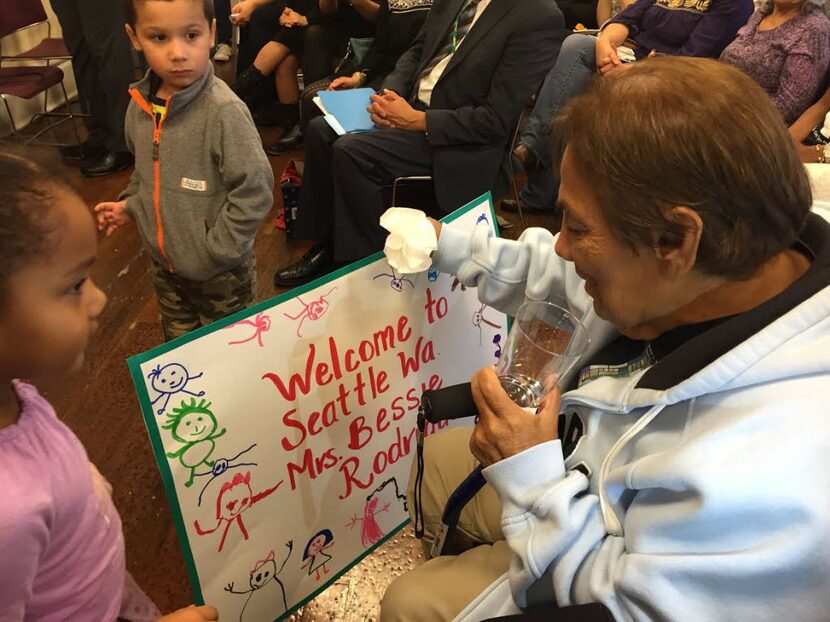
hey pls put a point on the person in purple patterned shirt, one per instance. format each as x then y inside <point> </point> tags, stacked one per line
<point>647,27</point>
<point>785,48</point>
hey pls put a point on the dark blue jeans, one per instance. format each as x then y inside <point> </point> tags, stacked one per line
<point>569,77</point>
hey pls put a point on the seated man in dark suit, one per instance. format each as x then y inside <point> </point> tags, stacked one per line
<point>447,110</point>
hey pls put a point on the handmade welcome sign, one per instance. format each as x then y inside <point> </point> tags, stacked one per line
<point>284,434</point>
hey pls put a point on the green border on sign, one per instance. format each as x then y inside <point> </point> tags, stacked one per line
<point>134,363</point>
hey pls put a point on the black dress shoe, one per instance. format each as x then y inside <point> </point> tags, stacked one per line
<point>82,151</point>
<point>317,261</point>
<point>108,162</point>
<point>287,142</point>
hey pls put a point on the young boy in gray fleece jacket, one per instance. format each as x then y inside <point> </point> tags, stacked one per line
<point>202,183</point>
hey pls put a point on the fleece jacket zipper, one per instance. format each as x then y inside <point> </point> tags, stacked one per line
<point>158,128</point>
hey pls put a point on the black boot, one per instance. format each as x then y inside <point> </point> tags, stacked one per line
<point>290,139</point>
<point>277,114</point>
<point>249,86</point>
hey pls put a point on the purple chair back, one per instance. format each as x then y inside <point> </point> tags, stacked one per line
<point>17,14</point>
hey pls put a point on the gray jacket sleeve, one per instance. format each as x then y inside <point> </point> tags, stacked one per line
<point>249,180</point>
<point>132,187</point>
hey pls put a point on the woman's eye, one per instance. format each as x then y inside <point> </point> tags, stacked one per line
<point>76,288</point>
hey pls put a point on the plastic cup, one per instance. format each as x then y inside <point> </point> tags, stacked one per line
<point>544,343</point>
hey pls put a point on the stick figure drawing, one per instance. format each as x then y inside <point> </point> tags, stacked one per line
<point>312,311</point>
<point>194,426</point>
<point>396,281</point>
<point>235,497</point>
<point>261,323</point>
<point>370,531</point>
<point>315,556</point>
<point>169,380</point>
<point>220,466</point>
<point>497,343</point>
<point>479,319</point>
<point>394,482</point>
<point>264,573</point>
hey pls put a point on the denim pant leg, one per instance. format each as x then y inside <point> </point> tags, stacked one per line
<point>569,77</point>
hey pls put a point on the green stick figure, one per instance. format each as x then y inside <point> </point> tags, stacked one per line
<point>193,425</point>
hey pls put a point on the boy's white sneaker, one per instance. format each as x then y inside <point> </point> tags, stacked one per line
<point>223,53</point>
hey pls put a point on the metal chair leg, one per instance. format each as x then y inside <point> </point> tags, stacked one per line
<point>71,115</point>
<point>46,114</point>
<point>15,133</point>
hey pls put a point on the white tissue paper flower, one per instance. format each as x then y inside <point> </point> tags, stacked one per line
<point>411,239</point>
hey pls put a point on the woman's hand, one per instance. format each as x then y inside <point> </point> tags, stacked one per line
<point>615,69</point>
<point>504,428</point>
<point>290,18</point>
<point>193,613</point>
<point>611,37</point>
<point>606,55</point>
<point>344,83</point>
<point>242,11</point>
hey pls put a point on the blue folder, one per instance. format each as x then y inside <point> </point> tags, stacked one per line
<point>348,110</point>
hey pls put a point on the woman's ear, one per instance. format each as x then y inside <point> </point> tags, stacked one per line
<point>678,253</point>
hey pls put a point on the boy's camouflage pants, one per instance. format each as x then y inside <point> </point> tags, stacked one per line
<point>186,305</point>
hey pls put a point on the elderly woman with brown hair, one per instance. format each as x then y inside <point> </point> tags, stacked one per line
<point>785,47</point>
<point>698,488</point>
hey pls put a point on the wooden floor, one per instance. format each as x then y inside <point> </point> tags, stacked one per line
<point>99,404</point>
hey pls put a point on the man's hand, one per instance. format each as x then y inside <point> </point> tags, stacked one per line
<point>391,110</point>
<point>242,11</point>
<point>192,614</point>
<point>504,428</point>
<point>111,215</point>
<point>346,82</point>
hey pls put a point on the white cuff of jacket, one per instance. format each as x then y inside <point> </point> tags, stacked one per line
<point>534,468</point>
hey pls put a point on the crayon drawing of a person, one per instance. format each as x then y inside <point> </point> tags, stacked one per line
<point>235,498</point>
<point>315,556</point>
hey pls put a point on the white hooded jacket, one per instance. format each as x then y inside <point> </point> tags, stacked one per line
<point>699,489</point>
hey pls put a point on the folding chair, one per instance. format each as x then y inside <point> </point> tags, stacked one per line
<point>20,15</point>
<point>28,81</point>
